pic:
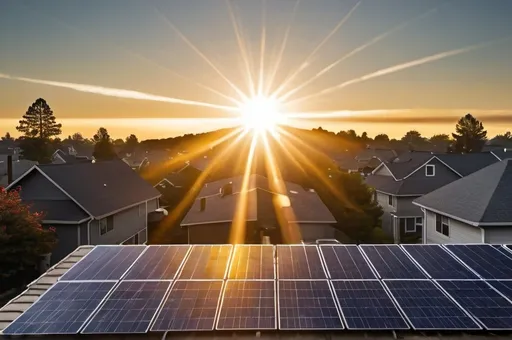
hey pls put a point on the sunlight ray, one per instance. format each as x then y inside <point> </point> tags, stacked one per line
<point>397,68</point>
<point>305,64</point>
<point>262,47</point>
<point>277,64</point>
<point>119,93</point>
<point>355,51</point>
<point>202,55</point>
<point>243,48</point>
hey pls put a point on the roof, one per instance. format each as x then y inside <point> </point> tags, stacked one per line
<point>384,155</point>
<point>100,188</point>
<point>481,198</point>
<point>503,153</point>
<point>466,164</point>
<point>407,162</point>
<point>63,210</point>
<point>306,205</point>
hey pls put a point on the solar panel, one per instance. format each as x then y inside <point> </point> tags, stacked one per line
<point>503,250</point>
<point>504,287</point>
<point>299,262</point>
<point>158,263</point>
<point>482,301</point>
<point>367,305</point>
<point>104,263</point>
<point>437,262</point>
<point>190,306</point>
<point>307,305</point>
<point>248,305</point>
<point>391,262</point>
<point>346,262</point>
<point>62,309</point>
<point>484,259</point>
<point>206,262</point>
<point>426,307</point>
<point>252,262</point>
<point>129,309</point>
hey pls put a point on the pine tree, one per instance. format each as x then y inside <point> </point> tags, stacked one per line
<point>470,135</point>
<point>103,149</point>
<point>39,121</point>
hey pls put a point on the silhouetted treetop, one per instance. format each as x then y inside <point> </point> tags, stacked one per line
<point>39,121</point>
<point>469,135</point>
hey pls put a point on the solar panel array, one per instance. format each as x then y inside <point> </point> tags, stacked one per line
<point>139,289</point>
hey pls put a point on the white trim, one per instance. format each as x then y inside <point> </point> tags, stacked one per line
<point>430,166</point>
<point>89,231</point>
<point>121,243</point>
<point>164,180</point>
<point>59,156</point>
<point>492,152</point>
<point>211,222</point>
<point>414,224</point>
<point>482,231</point>
<point>127,207</point>
<point>146,222</point>
<point>474,224</point>
<point>65,222</point>
<point>397,195</point>
<point>384,164</point>
<point>442,223</point>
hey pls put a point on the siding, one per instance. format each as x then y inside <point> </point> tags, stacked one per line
<point>214,233</point>
<point>443,176</point>
<point>67,236</point>
<point>387,219</point>
<point>498,235</point>
<point>84,234</point>
<point>383,171</point>
<point>35,186</point>
<point>459,232</point>
<point>313,232</point>
<point>126,224</point>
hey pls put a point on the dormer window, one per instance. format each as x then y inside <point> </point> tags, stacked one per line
<point>430,170</point>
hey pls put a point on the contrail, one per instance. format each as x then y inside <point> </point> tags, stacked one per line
<point>397,68</point>
<point>306,61</point>
<point>119,93</point>
<point>423,119</point>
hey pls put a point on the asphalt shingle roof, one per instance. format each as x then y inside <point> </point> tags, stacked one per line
<point>466,164</point>
<point>482,197</point>
<point>503,154</point>
<point>101,187</point>
<point>407,163</point>
<point>64,210</point>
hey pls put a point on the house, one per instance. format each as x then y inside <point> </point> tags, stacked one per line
<point>398,183</point>
<point>176,184</point>
<point>69,154</point>
<point>19,167</point>
<point>365,160</point>
<point>89,203</point>
<point>473,209</point>
<point>211,216</point>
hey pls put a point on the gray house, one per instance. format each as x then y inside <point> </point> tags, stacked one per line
<point>397,184</point>
<point>298,213</point>
<point>90,203</point>
<point>473,209</point>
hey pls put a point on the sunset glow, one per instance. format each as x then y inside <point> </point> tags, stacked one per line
<point>261,114</point>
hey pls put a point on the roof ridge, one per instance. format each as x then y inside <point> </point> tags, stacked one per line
<point>507,166</point>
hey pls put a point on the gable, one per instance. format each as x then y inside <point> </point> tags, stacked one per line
<point>34,186</point>
<point>442,172</point>
<point>383,171</point>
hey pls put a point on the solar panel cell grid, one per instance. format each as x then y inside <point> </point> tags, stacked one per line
<point>248,305</point>
<point>484,303</point>
<point>346,262</point>
<point>252,262</point>
<point>129,309</point>
<point>206,262</point>
<point>367,305</point>
<point>63,309</point>
<point>427,307</point>
<point>391,262</point>
<point>299,262</point>
<point>307,305</point>
<point>190,306</point>
<point>438,263</point>
<point>158,263</point>
<point>504,287</point>
<point>104,263</point>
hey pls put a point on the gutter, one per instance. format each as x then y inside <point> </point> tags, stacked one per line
<point>89,231</point>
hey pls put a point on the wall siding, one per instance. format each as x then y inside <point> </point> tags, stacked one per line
<point>67,235</point>
<point>37,187</point>
<point>459,232</point>
<point>383,171</point>
<point>387,219</point>
<point>499,235</point>
<point>214,233</point>
<point>313,232</point>
<point>443,176</point>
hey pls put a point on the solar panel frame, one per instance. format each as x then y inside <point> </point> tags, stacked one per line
<point>129,277</point>
<point>111,294</point>
<point>76,266</point>
<point>498,285</point>
<point>448,254</point>
<point>503,249</point>
<point>233,262</point>
<point>221,305</point>
<point>190,257</point>
<point>166,298</point>
<point>399,311</point>
<point>304,246</point>
<point>448,297</point>
<point>278,304</point>
<point>363,257</point>
<point>48,292</point>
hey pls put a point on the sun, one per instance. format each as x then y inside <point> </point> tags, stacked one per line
<point>261,114</point>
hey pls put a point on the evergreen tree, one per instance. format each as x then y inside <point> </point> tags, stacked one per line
<point>39,121</point>
<point>470,135</point>
<point>103,149</point>
<point>381,138</point>
<point>7,137</point>
<point>131,143</point>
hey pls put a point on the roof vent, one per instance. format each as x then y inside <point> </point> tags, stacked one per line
<point>294,192</point>
<point>202,203</point>
<point>226,189</point>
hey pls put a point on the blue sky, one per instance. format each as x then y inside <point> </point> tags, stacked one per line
<point>128,44</point>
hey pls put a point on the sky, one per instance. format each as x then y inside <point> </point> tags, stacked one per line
<point>135,45</point>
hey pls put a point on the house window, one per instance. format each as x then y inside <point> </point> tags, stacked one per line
<point>390,200</point>
<point>442,225</point>
<point>408,225</point>
<point>430,170</point>
<point>106,225</point>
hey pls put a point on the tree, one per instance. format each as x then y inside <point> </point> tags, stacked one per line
<point>22,240</point>
<point>413,137</point>
<point>441,138</point>
<point>77,137</point>
<point>502,140</point>
<point>131,143</point>
<point>382,138</point>
<point>36,149</point>
<point>469,135</point>
<point>118,142</point>
<point>39,121</point>
<point>7,137</point>
<point>103,149</point>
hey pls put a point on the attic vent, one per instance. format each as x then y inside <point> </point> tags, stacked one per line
<point>202,204</point>
<point>226,189</point>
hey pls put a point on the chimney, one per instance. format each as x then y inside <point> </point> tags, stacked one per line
<point>203,204</point>
<point>9,170</point>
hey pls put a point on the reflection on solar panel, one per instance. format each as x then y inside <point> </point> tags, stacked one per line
<point>63,309</point>
<point>503,250</point>
<point>104,263</point>
<point>504,287</point>
<point>391,262</point>
<point>484,303</point>
<point>484,259</point>
<point>206,262</point>
<point>367,305</point>
<point>248,305</point>
<point>252,262</point>
<point>299,262</point>
<point>307,305</point>
<point>190,306</point>
<point>427,307</point>
<point>437,262</point>
<point>158,263</point>
<point>129,309</point>
<point>346,262</point>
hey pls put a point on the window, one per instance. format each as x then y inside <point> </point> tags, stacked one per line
<point>430,170</point>
<point>106,225</point>
<point>390,200</point>
<point>442,225</point>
